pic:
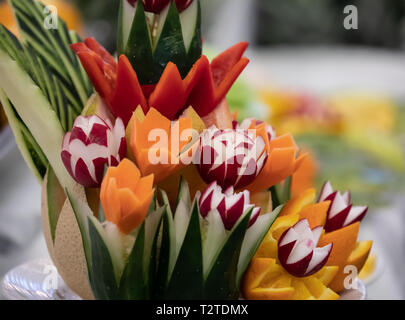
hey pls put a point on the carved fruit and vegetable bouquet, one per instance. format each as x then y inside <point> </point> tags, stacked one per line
<point>151,188</point>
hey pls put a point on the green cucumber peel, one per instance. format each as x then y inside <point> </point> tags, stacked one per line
<point>253,238</point>
<point>53,46</point>
<point>192,35</point>
<point>186,280</point>
<point>170,44</point>
<point>151,41</point>
<point>134,282</point>
<point>36,113</point>
<point>221,282</point>
<point>27,145</point>
<point>103,281</point>
<point>164,254</point>
<point>55,199</point>
<point>139,47</point>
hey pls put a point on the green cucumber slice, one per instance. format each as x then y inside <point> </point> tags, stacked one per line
<point>189,23</point>
<point>139,48</point>
<point>133,283</point>
<point>103,280</point>
<point>37,114</point>
<point>164,256</point>
<point>56,198</point>
<point>194,49</point>
<point>137,282</point>
<point>221,282</point>
<point>253,238</point>
<point>159,22</point>
<point>186,281</point>
<point>170,45</point>
<point>31,153</point>
<point>125,19</point>
<point>53,47</point>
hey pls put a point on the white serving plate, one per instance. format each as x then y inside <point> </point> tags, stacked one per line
<point>39,280</point>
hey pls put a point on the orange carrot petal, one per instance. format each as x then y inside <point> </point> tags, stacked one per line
<point>315,214</point>
<point>284,141</point>
<point>304,174</point>
<point>141,130</point>
<point>144,186</point>
<point>298,203</point>
<point>111,202</point>
<point>132,221</point>
<point>344,240</point>
<point>127,175</point>
<point>160,170</point>
<point>278,167</point>
<point>129,202</point>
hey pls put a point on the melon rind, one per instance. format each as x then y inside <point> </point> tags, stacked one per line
<point>67,251</point>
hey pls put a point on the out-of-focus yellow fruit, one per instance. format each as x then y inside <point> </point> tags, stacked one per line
<point>66,11</point>
<point>365,112</point>
<point>296,204</point>
<point>360,254</point>
<point>369,267</point>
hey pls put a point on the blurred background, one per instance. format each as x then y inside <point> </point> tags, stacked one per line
<point>340,92</point>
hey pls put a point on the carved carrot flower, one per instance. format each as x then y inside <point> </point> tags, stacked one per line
<point>125,196</point>
<point>92,144</point>
<point>160,146</point>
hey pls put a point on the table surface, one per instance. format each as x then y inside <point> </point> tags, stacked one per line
<point>21,238</point>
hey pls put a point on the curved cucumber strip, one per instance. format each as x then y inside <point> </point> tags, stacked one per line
<point>37,114</point>
<point>125,20</point>
<point>36,166</point>
<point>189,23</point>
<point>253,238</point>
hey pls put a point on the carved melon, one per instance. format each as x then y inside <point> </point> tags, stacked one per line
<point>63,237</point>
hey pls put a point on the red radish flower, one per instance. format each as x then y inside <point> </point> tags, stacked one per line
<point>341,212</point>
<point>250,123</point>
<point>230,157</point>
<point>297,250</point>
<point>230,205</point>
<point>157,6</point>
<point>92,144</point>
